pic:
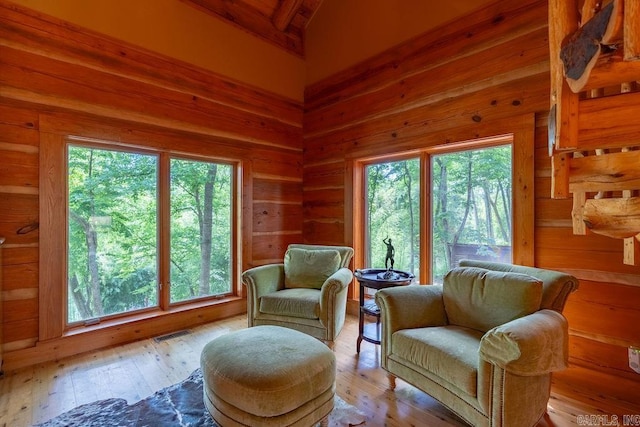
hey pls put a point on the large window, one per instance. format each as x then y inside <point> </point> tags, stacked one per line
<point>470,207</point>
<point>438,206</point>
<point>115,258</point>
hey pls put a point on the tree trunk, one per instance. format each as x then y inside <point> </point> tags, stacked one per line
<point>91,238</point>
<point>467,207</point>
<point>407,180</point>
<point>78,299</point>
<point>441,210</point>
<point>206,228</point>
<point>491,238</point>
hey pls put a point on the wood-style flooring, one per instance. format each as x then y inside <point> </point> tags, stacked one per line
<point>136,370</point>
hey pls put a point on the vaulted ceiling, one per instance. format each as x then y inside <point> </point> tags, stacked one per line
<point>282,22</point>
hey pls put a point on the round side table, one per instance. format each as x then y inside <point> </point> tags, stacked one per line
<point>375,278</point>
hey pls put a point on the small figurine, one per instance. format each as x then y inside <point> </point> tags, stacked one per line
<point>391,251</point>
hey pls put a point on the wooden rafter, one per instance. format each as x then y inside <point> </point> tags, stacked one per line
<point>285,13</point>
<point>280,22</point>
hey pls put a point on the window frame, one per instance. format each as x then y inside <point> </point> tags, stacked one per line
<point>519,133</point>
<point>53,286</point>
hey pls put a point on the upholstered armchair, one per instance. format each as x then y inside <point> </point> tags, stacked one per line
<point>484,343</point>
<point>307,292</point>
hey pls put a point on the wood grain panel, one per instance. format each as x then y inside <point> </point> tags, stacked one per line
<point>568,258</point>
<point>19,330</point>
<point>469,73</point>
<point>20,276</point>
<point>16,255</point>
<point>324,204</point>
<point>14,122</point>
<point>54,38</point>
<point>276,216</point>
<point>18,169</point>
<point>551,238</point>
<point>120,97</point>
<point>19,218</point>
<point>605,309</point>
<point>20,309</point>
<point>609,121</point>
<point>324,176</point>
<point>607,357</point>
<point>285,165</point>
<point>269,248</point>
<point>486,27</point>
<point>328,232</point>
<point>404,131</point>
<point>553,209</point>
<point>270,190</point>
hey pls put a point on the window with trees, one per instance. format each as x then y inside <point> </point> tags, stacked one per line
<point>115,250</point>
<point>470,207</point>
<point>393,213</point>
<point>462,208</point>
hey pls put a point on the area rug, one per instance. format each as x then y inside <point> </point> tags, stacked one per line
<point>177,405</point>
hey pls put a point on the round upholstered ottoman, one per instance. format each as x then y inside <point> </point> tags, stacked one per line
<point>268,376</point>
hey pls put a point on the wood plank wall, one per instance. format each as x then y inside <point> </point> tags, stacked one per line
<point>458,81</point>
<point>57,75</point>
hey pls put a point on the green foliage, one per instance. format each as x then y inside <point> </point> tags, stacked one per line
<point>393,197</point>
<point>113,230</point>
<point>188,214</point>
<point>470,204</point>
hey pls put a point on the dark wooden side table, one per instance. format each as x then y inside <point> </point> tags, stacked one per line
<point>374,278</point>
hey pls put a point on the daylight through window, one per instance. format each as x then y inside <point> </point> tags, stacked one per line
<point>114,226</point>
<point>467,201</point>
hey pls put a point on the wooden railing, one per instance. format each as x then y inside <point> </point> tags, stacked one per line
<point>594,130</point>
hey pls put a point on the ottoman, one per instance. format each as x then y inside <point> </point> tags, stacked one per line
<point>268,376</point>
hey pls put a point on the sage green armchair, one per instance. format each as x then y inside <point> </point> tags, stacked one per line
<point>307,292</point>
<point>484,343</point>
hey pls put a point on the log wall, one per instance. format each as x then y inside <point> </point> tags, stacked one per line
<point>457,82</point>
<point>57,79</point>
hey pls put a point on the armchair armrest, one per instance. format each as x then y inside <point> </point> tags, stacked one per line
<point>334,284</point>
<point>531,345</point>
<point>413,306</point>
<point>408,307</point>
<point>260,281</point>
<point>333,300</point>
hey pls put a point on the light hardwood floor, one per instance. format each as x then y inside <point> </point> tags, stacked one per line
<point>136,370</point>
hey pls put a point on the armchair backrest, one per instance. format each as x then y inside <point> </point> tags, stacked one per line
<point>346,253</point>
<point>482,299</point>
<point>556,286</point>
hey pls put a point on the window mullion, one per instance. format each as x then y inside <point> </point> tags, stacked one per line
<point>425,218</point>
<point>164,230</point>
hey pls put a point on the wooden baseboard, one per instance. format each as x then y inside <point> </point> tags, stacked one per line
<point>107,335</point>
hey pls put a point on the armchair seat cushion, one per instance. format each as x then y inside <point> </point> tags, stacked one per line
<point>297,302</point>
<point>448,352</point>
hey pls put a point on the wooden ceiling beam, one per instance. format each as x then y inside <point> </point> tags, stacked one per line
<point>285,13</point>
<point>251,20</point>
